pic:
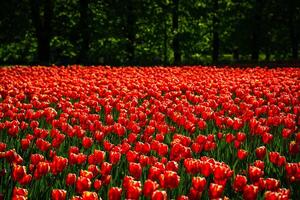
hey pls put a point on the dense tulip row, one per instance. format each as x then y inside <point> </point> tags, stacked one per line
<point>87,133</point>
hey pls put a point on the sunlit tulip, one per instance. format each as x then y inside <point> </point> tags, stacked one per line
<point>58,194</point>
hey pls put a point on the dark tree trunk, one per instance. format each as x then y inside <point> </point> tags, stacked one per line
<point>236,55</point>
<point>83,31</point>
<point>216,39</point>
<point>256,30</point>
<point>165,42</point>
<point>292,29</point>
<point>255,47</point>
<point>130,20</point>
<point>42,25</point>
<point>176,47</point>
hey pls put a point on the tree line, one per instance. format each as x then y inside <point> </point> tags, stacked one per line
<point>148,32</point>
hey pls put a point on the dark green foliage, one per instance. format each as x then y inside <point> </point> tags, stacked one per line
<point>148,32</point>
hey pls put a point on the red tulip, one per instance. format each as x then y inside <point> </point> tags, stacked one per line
<point>171,179</point>
<point>196,148</point>
<point>199,183</point>
<point>239,182</point>
<point>201,139</point>
<point>240,136</point>
<point>99,136</point>
<point>10,155</point>
<point>182,197</point>
<point>106,179</point>
<point>42,144</point>
<point>58,140</point>
<point>87,142</point>
<point>154,173</point>
<point>294,148</point>
<point>36,158</point>
<point>269,195</point>
<point>58,164</point>
<point>261,184</point>
<point>135,169</point>
<point>125,147</point>
<point>132,156</point>
<point>237,144</point>
<point>81,158</point>
<point>91,159</point>
<point>192,166</point>
<point>42,169</point>
<point>159,195</point>
<point>99,156</point>
<point>70,179</point>
<point>58,194</point>
<point>260,164</point>
<point>34,124</point>
<point>210,137</point>
<point>94,169</point>
<point>274,157</point>
<point>206,169</point>
<point>220,135</point>
<point>110,120</point>
<point>250,192</point>
<point>272,184</point>
<point>215,191</point>
<point>114,193</point>
<point>73,158</point>
<point>86,173</point>
<point>132,138</point>
<point>149,187</point>
<point>133,192</point>
<point>20,192</point>
<point>114,157</point>
<point>83,184</point>
<point>172,166</point>
<point>25,144</point>
<point>229,138</point>
<point>2,146</point>
<point>97,184</point>
<point>18,172</point>
<point>209,146</point>
<point>237,124</point>
<point>242,154</point>
<point>87,195</point>
<point>162,149</point>
<point>260,152</point>
<point>194,194</point>
<point>281,193</point>
<point>127,180</point>
<point>255,173</point>
<point>106,168</point>
<point>202,124</point>
<point>286,133</point>
<point>26,179</point>
<point>73,149</point>
<point>164,160</point>
<point>144,160</point>
<point>291,168</point>
<point>281,161</point>
<point>220,172</point>
<point>267,138</point>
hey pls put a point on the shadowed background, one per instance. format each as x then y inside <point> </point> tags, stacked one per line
<point>149,32</point>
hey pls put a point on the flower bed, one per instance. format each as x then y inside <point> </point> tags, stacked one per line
<point>149,133</point>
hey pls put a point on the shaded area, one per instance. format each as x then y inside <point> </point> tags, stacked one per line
<point>149,32</point>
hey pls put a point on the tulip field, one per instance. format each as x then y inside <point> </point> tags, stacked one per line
<point>88,133</point>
